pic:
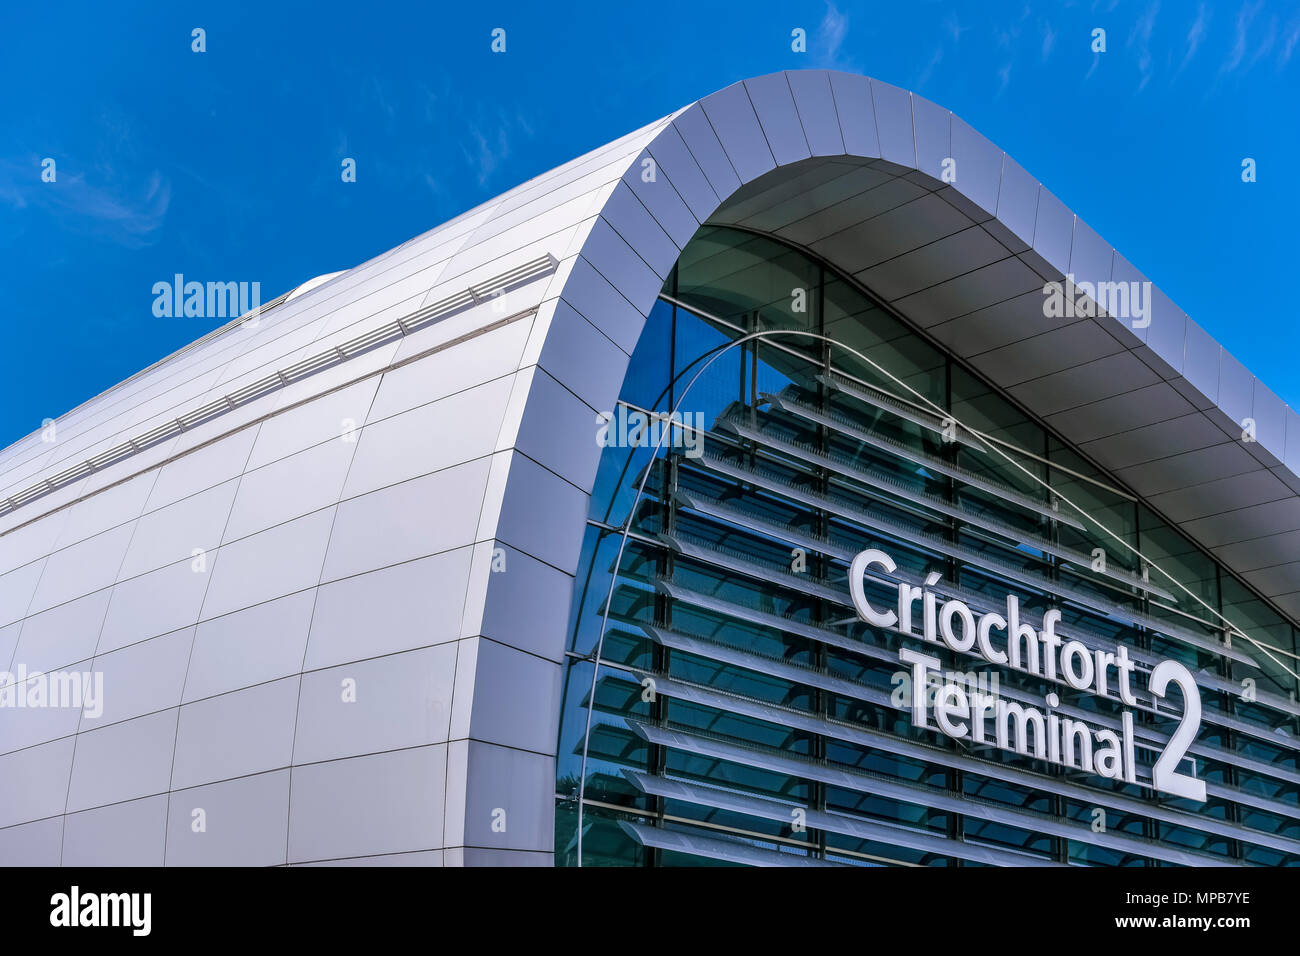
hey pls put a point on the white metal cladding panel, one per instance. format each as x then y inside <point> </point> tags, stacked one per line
<point>80,569</point>
<point>428,438</point>
<point>773,103</point>
<point>695,130</point>
<point>32,844</point>
<point>671,156</point>
<point>174,531</point>
<point>155,603</point>
<point>424,858</point>
<point>393,609</point>
<point>236,734</point>
<point>328,417</point>
<point>125,834</point>
<point>250,646</point>
<point>597,300</point>
<point>933,136</point>
<point>9,639</point>
<point>400,796</point>
<point>815,104</point>
<point>406,521</point>
<point>281,352</point>
<point>522,784</point>
<point>632,221</point>
<point>245,823</point>
<point>201,469</point>
<point>482,359</point>
<point>289,488</point>
<point>558,431</point>
<point>665,204</point>
<point>42,773</point>
<point>894,123</point>
<point>144,677</point>
<point>269,564</point>
<point>731,114</point>
<point>63,635</point>
<point>403,700</point>
<point>29,726</point>
<point>115,506</point>
<point>576,353</point>
<point>145,460</point>
<point>527,609</point>
<point>122,761</point>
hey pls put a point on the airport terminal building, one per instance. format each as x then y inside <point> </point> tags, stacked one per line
<point>793,481</point>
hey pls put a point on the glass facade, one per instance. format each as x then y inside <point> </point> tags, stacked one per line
<point>742,712</point>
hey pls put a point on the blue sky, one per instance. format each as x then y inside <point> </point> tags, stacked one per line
<point>225,165</point>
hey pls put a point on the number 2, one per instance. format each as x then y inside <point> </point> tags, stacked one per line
<point>1164,774</point>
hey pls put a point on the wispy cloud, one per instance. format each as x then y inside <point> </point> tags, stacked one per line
<point>830,37</point>
<point>114,211</point>
<point>1007,39</point>
<point>951,36</point>
<point>490,143</point>
<point>372,92</point>
<point>953,27</point>
<point>1238,53</point>
<point>928,70</point>
<point>1266,46</point>
<point>1196,34</point>
<point>1289,43</point>
<point>1004,77</point>
<point>486,150</point>
<point>1140,41</point>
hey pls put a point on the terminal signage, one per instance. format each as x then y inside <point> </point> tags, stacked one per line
<point>1015,722</point>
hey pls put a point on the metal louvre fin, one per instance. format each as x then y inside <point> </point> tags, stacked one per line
<point>984,523</point>
<point>844,642</point>
<point>709,553</point>
<point>884,402</point>
<point>861,782</point>
<point>714,848</point>
<point>928,542</point>
<point>870,738</point>
<point>795,673</point>
<point>879,831</point>
<point>792,405</point>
